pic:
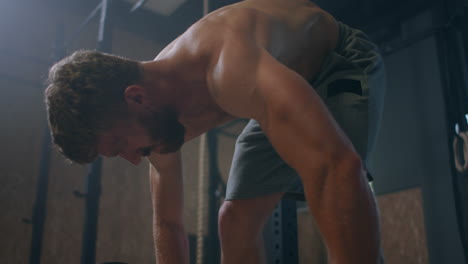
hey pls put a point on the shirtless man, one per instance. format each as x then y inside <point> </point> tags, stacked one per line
<point>303,79</point>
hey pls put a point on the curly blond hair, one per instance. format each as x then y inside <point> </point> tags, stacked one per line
<point>85,94</point>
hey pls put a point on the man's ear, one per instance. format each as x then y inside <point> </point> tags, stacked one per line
<point>135,97</point>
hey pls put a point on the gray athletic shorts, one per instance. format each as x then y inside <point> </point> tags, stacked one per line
<point>351,82</point>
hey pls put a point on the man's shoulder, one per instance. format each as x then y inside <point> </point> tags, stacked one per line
<point>200,40</point>
<point>210,33</point>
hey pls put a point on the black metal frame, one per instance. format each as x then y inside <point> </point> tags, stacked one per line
<point>280,234</point>
<point>452,41</point>
<point>212,251</point>
<point>40,203</point>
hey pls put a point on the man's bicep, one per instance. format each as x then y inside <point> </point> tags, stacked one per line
<point>295,119</point>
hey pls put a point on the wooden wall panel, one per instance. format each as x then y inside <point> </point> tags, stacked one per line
<point>64,220</point>
<point>403,231</point>
<point>402,225</point>
<point>125,214</point>
<point>310,244</point>
<point>19,159</point>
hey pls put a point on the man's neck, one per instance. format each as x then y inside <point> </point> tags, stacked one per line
<point>185,89</point>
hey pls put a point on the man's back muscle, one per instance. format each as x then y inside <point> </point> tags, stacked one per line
<point>296,32</point>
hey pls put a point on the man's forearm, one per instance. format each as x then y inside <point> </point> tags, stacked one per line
<point>171,244</point>
<point>346,214</point>
<point>170,239</point>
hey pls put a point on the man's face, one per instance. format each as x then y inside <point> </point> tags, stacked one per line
<point>137,137</point>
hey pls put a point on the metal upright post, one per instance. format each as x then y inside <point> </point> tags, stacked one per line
<point>93,183</point>
<point>40,204</point>
<point>281,234</point>
<point>92,195</point>
<point>213,252</point>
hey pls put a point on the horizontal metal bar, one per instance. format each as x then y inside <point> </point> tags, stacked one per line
<point>230,135</point>
<point>388,49</point>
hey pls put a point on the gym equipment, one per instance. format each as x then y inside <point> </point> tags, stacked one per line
<point>452,39</point>
<point>40,203</point>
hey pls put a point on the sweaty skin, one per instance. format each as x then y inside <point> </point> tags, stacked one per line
<point>252,60</point>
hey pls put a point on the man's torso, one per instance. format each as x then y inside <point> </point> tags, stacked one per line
<point>296,32</point>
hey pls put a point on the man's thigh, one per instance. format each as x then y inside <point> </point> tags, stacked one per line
<point>257,170</point>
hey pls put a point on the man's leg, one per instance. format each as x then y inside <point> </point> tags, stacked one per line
<point>240,228</point>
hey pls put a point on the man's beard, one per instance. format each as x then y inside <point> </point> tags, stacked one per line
<point>165,130</point>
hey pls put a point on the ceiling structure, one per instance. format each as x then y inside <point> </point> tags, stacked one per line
<point>164,20</point>
<point>370,15</point>
<point>346,8</point>
<point>161,7</point>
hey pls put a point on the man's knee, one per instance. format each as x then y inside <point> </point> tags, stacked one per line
<point>245,218</point>
<point>236,220</point>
